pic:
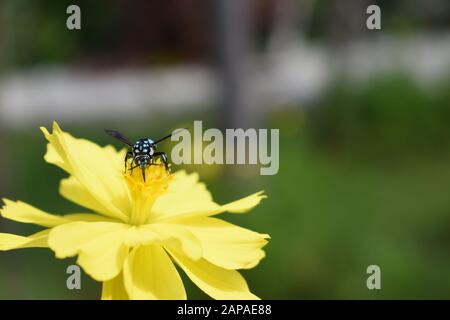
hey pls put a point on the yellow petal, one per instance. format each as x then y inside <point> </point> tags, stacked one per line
<point>25,213</point>
<point>22,212</point>
<point>53,156</point>
<point>168,235</point>
<point>227,245</point>
<point>178,238</point>
<point>97,169</point>
<point>104,258</point>
<point>74,191</point>
<point>87,217</point>
<point>219,283</point>
<point>150,274</point>
<point>99,245</point>
<point>245,204</point>
<point>185,194</point>
<point>68,239</point>
<point>11,241</point>
<point>114,289</point>
<point>183,182</point>
<point>205,209</point>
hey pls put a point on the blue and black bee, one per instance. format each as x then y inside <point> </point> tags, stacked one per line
<point>142,152</point>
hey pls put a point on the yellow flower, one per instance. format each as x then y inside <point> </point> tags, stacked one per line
<point>139,229</point>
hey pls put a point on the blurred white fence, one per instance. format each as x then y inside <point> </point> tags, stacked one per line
<point>296,73</point>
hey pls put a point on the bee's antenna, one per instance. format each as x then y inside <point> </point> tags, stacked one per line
<point>169,135</point>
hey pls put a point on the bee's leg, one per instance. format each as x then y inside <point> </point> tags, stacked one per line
<point>143,173</point>
<point>128,156</point>
<point>163,158</point>
<point>133,167</point>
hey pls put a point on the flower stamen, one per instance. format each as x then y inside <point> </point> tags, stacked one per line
<point>145,193</point>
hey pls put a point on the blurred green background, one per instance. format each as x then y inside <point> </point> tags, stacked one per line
<point>363,116</point>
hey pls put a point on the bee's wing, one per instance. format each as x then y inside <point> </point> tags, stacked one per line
<point>118,136</point>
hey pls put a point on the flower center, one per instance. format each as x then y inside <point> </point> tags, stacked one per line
<point>144,193</point>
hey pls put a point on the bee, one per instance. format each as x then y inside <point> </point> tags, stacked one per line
<point>143,152</point>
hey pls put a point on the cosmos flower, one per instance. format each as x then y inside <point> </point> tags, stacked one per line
<point>138,229</point>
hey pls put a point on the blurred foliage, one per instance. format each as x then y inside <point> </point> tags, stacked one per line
<point>389,116</point>
<point>119,32</point>
<point>333,209</point>
<point>173,31</point>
